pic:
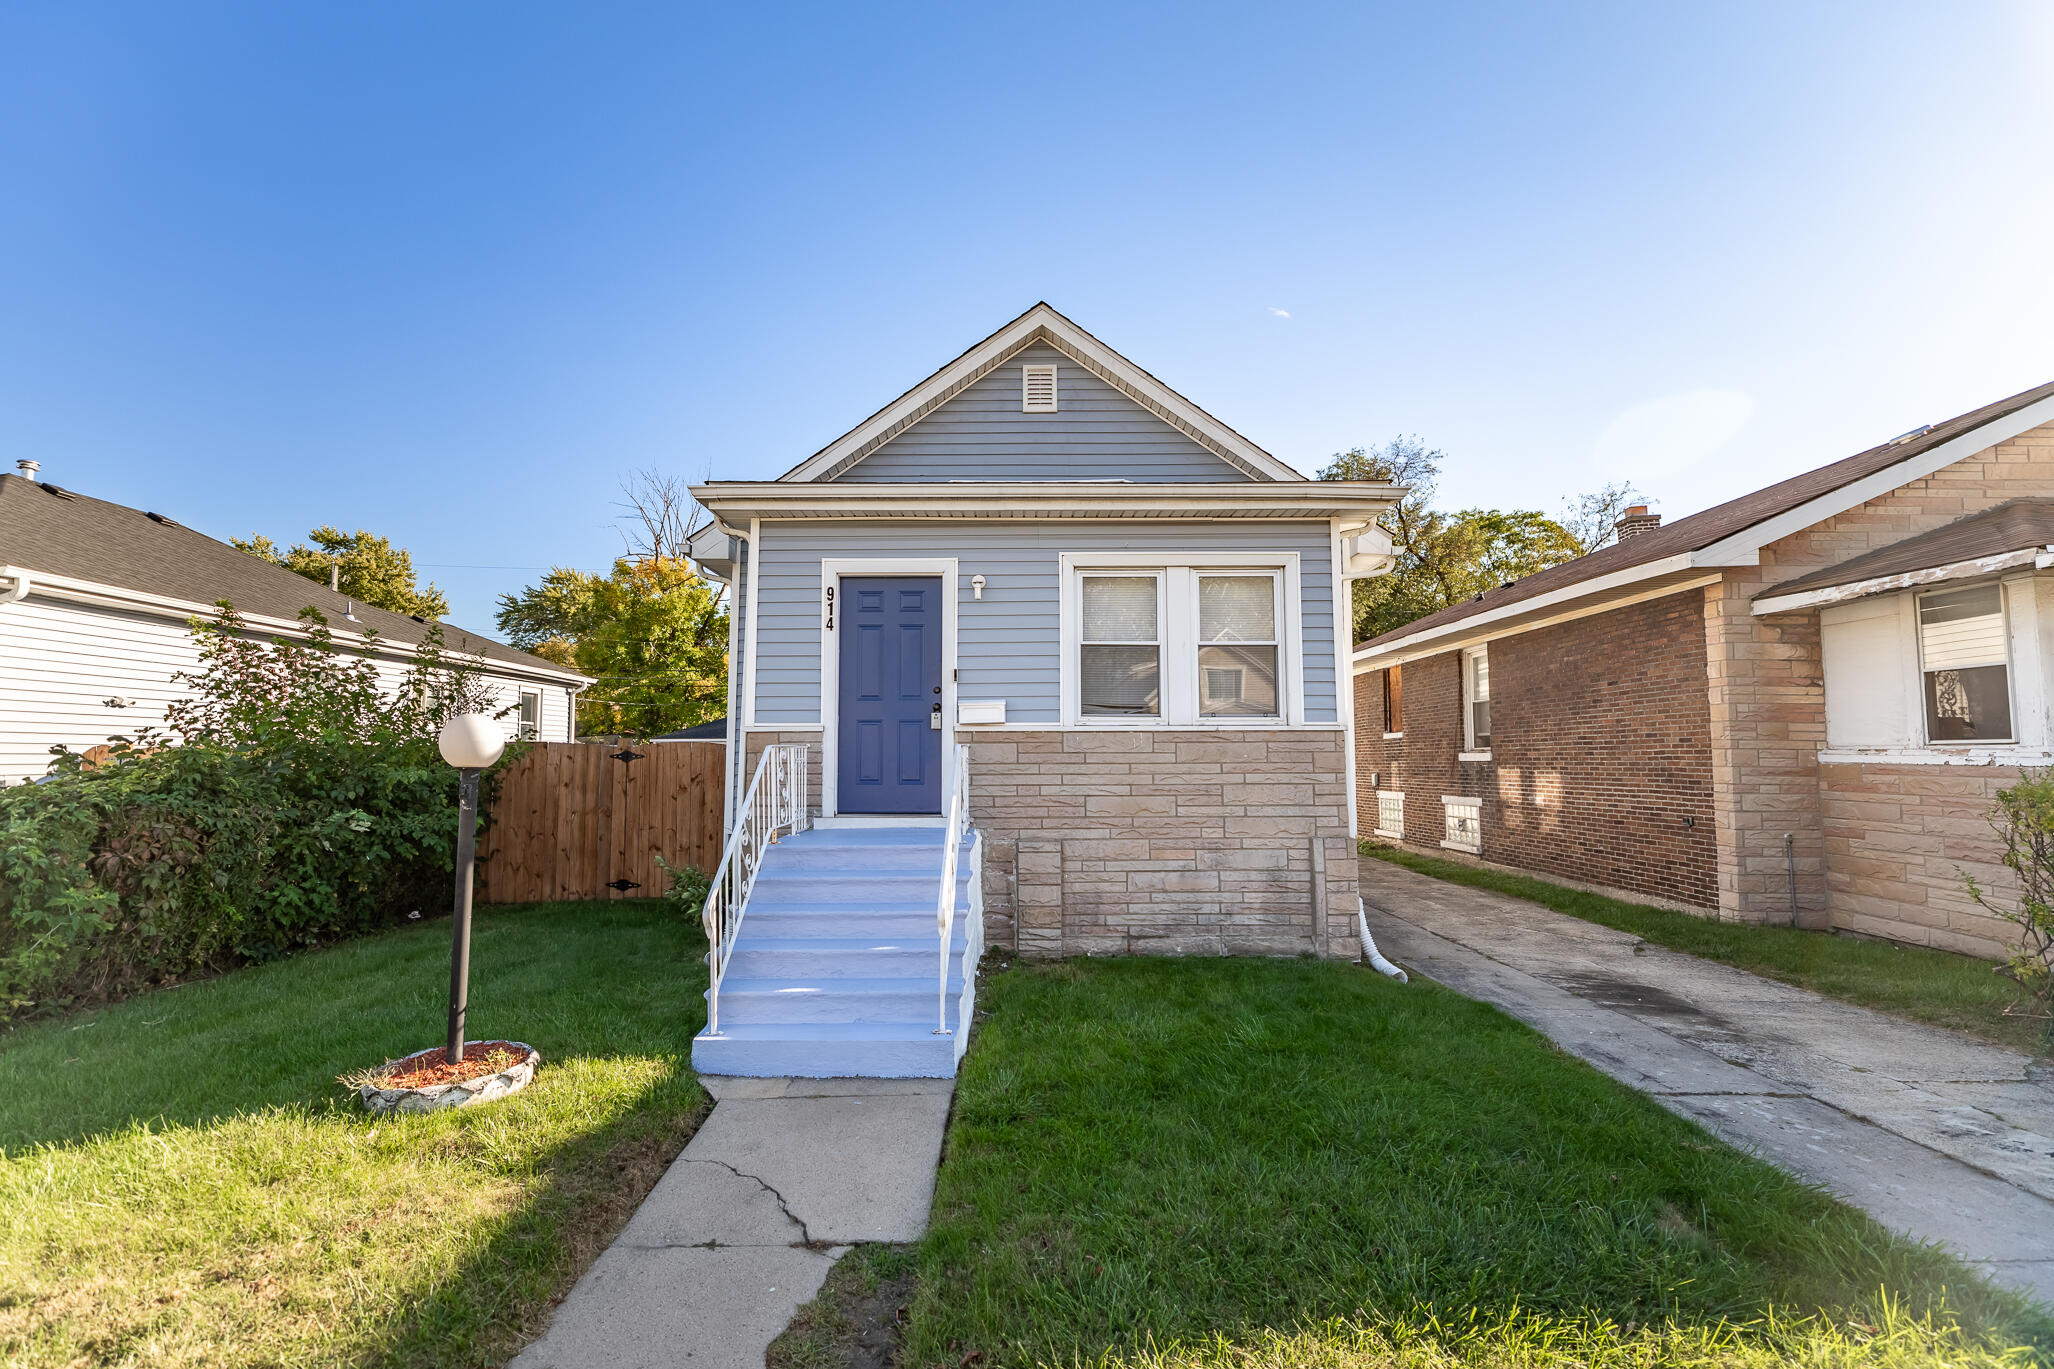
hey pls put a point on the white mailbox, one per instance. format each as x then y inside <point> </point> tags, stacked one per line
<point>973,711</point>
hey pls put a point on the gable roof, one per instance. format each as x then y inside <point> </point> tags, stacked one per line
<point>1733,533</point>
<point>50,531</point>
<point>1041,324</point>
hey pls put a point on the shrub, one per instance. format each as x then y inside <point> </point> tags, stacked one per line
<point>2024,819</point>
<point>689,886</point>
<point>289,802</point>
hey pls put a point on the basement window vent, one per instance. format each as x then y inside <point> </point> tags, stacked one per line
<point>1037,389</point>
<point>1464,818</point>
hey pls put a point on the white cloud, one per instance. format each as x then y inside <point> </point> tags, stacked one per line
<point>1663,437</point>
<point>1280,313</point>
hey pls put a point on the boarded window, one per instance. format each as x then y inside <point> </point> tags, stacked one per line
<point>1394,699</point>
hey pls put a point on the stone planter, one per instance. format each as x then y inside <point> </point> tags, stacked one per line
<point>433,1097</point>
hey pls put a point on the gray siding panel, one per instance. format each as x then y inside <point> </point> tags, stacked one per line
<point>1096,432</point>
<point>1007,643</point>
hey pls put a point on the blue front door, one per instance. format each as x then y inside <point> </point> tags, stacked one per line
<point>889,756</point>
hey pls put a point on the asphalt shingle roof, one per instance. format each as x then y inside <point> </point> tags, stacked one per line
<point>1721,521</point>
<point>57,531</point>
<point>2020,525</point>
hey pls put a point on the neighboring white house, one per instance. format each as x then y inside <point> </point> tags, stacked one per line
<point>95,599</point>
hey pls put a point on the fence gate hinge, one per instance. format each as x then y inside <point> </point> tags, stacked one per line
<point>623,884</point>
<point>625,756</point>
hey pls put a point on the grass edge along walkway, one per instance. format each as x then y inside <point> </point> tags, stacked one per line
<point>1938,988</point>
<point>1233,1161</point>
<point>187,1184</point>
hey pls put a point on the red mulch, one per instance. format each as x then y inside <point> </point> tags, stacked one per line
<point>424,1069</point>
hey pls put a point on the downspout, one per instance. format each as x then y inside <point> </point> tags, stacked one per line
<point>1370,955</point>
<point>737,646</point>
<point>575,691</point>
<point>17,591</point>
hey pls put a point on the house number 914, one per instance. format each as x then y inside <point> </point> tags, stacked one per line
<point>830,608</point>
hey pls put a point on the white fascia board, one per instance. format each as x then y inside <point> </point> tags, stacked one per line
<point>1315,500</point>
<point>1672,571</point>
<point>162,606</point>
<point>1744,548</point>
<point>1045,323</point>
<point>1885,584</point>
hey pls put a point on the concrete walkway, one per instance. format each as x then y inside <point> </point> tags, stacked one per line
<point>1932,1133</point>
<point>784,1176</point>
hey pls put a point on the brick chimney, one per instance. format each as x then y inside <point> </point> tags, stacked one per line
<point>1635,521</point>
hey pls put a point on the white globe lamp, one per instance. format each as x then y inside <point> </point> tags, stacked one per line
<point>471,742</point>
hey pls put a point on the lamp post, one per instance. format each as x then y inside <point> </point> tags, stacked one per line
<point>471,742</point>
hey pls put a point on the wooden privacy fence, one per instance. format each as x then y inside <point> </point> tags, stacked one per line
<point>574,820</point>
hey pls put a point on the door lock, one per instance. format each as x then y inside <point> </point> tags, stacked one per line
<point>934,719</point>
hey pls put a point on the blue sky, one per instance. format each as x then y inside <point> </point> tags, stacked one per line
<point>448,271</point>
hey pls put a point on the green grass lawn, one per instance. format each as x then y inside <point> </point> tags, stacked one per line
<point>1939,987</point>
<point>1261,1162</point>
<point>185,1183</point>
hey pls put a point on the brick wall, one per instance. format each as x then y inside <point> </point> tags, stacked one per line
<point>1899,839</point>
<point>1768,702</point>
<point>1599,751</point>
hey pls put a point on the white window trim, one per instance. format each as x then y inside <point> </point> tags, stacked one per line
<point>1392,736</point>
<point>521,697</point>
<point>1399,831</point>
<point>1178,629</point>
<point>1450,802</point>
<point>832,569</point>
<point>1470,750</point>
<point>2008,625</point>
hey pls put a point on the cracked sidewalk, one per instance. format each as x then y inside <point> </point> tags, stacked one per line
<point>1932,1133</point>
<point>783,1177</point>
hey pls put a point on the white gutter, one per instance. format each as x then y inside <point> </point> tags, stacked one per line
<point>162,606</point>
<point>738,501</point>
<point>2036,557</point>
<point>19,589</point>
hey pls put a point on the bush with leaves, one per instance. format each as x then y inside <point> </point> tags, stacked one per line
<point>289,802</point>
<point>2024,819</point>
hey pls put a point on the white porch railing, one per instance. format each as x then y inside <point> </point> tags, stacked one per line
<point>774,805</point>
<point>945,905</point>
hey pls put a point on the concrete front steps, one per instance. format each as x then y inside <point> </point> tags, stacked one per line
<point>836,969</point>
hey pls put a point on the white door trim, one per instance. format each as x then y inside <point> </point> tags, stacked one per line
<point>832,569</point>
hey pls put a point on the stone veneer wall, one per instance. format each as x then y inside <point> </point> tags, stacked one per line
<point>1165,842</point>
<point>1768,706</point>
<point>1157,842</point>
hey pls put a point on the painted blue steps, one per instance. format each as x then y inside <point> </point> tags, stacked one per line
<point>836,968</point>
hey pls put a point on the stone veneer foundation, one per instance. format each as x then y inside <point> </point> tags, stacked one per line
<point>1159,842</point>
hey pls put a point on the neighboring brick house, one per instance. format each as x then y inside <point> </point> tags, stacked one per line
<point>1797,704</point>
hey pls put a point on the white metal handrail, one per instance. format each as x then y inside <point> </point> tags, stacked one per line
<point>774,805</point>
<point>945,904</point>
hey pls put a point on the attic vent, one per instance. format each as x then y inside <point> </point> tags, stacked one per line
<point>1037,389</point>
<point>160,518</point>
<point>56,491</point>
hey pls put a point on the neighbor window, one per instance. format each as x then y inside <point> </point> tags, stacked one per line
<point>1476,698</point>
<point>1962,656</point>
<point>1120,656</point>
<point>1394,700</point>
<point>531,714</point>
<point>1237,646</point>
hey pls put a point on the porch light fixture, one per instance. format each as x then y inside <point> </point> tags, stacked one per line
<point>471,742</point>
<point>977,587</point>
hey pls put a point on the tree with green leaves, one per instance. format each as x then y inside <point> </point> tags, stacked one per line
<point>369,568</point>
<point>1443,558</point>
<point>652,631</point>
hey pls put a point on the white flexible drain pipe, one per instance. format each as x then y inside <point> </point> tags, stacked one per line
<point>1369,950</point>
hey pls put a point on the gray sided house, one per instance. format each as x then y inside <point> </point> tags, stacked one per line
<point>1046,594</point>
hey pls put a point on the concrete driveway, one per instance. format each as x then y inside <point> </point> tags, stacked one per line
<point>1932,1133</point>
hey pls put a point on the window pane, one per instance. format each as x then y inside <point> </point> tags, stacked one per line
<point>1480,724</point>
<point>1119,608</point>
<point>1968,705</point>
<point>1121,680</point>
<point>1237,608</point>
<point>1480,677</point>
<point>1961,627</point>
<point>1237,681</point>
